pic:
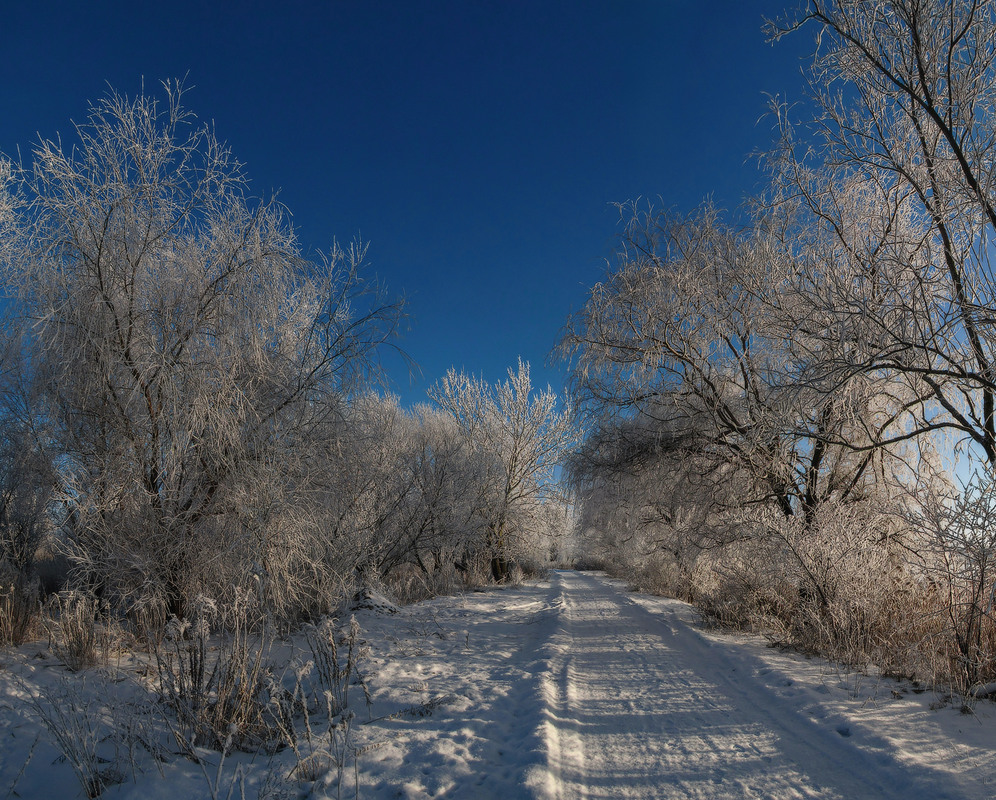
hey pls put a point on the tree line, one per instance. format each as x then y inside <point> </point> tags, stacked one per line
<point>792,409</point>
<point>190,402</point>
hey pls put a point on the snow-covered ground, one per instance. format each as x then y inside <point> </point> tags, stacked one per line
<point>570,687</point>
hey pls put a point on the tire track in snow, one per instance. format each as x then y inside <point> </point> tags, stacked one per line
<point>639,704</point>
<point>565,748</point>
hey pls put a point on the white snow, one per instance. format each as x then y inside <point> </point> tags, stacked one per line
<point>567,688</point>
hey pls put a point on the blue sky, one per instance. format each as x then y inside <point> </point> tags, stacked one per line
<point>478,147</point>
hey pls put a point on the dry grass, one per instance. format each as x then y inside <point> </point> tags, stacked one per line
<point>71,621</point>
<point>19,607</point>
<point>215,685</point>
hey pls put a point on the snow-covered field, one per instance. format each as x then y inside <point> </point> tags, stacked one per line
<point>570,687</point>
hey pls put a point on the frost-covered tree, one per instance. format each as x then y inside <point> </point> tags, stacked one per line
<point>522,436</point>
<point>184,341</point>
<point>721,459</point>
<point>443,511</point>
<point>368,491</point>
<point>682,353</point>
<point>895,205</point>
<point>27,469</point>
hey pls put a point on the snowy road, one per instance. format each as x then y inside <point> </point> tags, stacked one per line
<point>576,688</point>
<point>639,704</point>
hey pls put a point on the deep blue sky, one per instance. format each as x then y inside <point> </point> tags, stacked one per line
<point>477,146</point>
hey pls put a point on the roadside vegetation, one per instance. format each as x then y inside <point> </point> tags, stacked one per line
<point>793,409</point>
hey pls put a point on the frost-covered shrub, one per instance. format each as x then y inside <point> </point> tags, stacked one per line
<point>743,585</point>
<point>657,573</point>
<point>337,656</point>
<point>71,619</point>
<point>314,717</point>
<point>81,731</point>
<point>850,583</point>
<point>956,558</point>
<point>214,682</point>
<point>409,584</point>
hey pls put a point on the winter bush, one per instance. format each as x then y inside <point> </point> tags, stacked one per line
<point>82,733</point>
<point>957,562</point>
<point>314,717</point>
<point>409,584</point>
<point>214,684</point>
<point>71,619</point>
